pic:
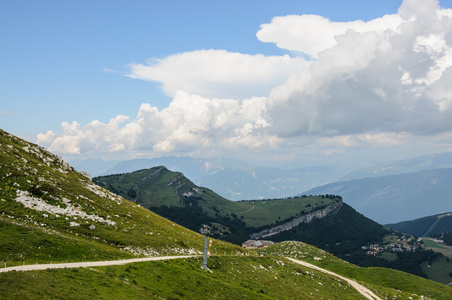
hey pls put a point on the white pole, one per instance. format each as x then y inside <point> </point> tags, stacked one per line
<point>204,262</point>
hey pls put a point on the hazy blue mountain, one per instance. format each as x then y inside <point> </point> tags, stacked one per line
<point>93,166</point>
<point>238,180</point>
<point>192,168</point>
<point>434,161</point>
<point>396,198</point>
<point>238,183</point>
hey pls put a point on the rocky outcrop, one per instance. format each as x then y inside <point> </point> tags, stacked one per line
<point>318,214</point>
<point>68,209</point>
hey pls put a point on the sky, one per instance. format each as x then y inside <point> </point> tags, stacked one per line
<point>265,81</point>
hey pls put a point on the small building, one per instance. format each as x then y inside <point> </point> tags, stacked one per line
<point>256,244</point>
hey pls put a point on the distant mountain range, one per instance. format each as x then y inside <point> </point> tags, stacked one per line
<point>238,180</point>
<point>387,193</point>
<point>396,198</point>
<point>232,179</point>
<point>193,168</point>
<point>426,162</point>
<point>253,182</point>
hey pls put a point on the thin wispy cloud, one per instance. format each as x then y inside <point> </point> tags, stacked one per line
<point>5,113</point>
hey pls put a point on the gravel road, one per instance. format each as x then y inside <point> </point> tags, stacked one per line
<point>362,289</point>
<point>88,264</point>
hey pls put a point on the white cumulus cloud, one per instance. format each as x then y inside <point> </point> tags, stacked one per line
<point>378,83</point>
<point>312,34</point>
<point>190,123</point>
<point>390,80</point>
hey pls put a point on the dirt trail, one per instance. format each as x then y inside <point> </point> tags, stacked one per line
<point>363,290</point>
<point>89,264</point>
<point>242,212</point>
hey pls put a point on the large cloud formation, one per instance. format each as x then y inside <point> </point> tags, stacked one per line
<point>366,82</point>
<point>385,80</point>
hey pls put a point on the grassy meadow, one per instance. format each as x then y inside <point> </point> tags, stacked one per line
<point>384,282</point>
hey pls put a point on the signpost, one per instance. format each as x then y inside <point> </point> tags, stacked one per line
<point>205,230</point>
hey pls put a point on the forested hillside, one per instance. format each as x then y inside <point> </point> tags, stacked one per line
<point>425,226</point>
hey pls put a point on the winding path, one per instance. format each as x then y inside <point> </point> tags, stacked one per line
<point>242,212</point>
<point>361,289</point>
<point>89,263</point>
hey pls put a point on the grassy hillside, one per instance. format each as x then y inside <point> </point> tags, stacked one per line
<point>172,195</point>
<point>267,276</point>
<point>439,270</point>
<point>50,212</point>
<point>394,282</point>
<point>230,278</point>
<point>158,186</point>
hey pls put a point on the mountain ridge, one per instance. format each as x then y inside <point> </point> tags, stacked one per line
<point>318,214</point>
<point>395,198</point>
<point>173,195</point>
<point>411,165</point>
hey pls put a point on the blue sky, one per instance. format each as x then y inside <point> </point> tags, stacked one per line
<point>156,68</point>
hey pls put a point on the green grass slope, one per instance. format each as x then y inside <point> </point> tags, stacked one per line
<point>50,212</point>
<point>230,278</point>
<point>386,283</point>
<point>439,270</point>
<point>158,186</point>
<point>173,196</point>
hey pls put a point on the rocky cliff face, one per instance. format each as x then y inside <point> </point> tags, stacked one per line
<point>318,214</point>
